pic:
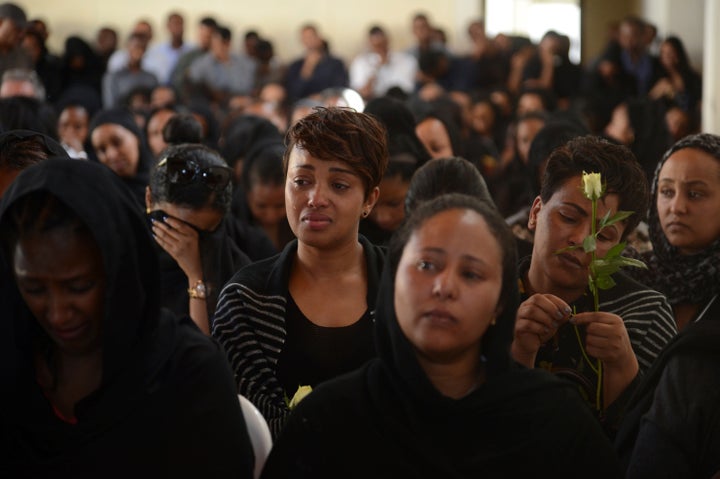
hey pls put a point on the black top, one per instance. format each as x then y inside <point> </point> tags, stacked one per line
<point>166,405</point>
<point>313,354</point>
<point>672,427</point>
<point>251,326</point>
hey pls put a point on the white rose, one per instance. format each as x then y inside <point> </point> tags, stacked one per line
<point>592,185</point>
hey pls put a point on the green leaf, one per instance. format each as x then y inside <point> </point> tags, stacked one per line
<point>615,251</point>
<point>619,216</point>
<point>605,282</point>
<point>604,220</point>
<point>601,267</point>
<point>625,261</point>
<point>589,244</point>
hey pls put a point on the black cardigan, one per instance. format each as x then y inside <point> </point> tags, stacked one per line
<point>250,324</point>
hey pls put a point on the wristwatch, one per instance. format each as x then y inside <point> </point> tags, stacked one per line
<point>198,290</point>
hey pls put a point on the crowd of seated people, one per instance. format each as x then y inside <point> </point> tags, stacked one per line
<point>404,233</point>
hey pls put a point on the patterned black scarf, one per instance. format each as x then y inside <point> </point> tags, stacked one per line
<point>692,279</point>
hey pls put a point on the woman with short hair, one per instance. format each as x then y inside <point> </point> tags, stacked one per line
<point>306,315</point>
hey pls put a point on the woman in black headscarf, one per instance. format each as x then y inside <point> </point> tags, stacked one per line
<point>407,154</point>
<point>119,144</point>
<point>684,227</point>
<point>245,139</point>
<point>80,65</point>
<point>444,398</point>
<point>400,125</point>
<point>97,380</point>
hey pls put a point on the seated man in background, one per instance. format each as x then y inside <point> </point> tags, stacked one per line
<point>160,60</point>
<point>220,74</point>
<point>373,73</point>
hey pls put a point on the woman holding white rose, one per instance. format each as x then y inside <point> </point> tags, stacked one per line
<point>557,327</point>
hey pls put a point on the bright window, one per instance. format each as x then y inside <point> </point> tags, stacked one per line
<point>532,18</point>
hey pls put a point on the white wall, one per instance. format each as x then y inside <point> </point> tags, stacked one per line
<point>697,24</point>
<point>711,73</point>
<point>344,23</point>
<point>682,18</point>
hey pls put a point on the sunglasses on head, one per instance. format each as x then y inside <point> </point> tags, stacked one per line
<point>184,172</point>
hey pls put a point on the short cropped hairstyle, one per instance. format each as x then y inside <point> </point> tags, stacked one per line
<point>224,33</point>
<point>376,30</point>
<point>620,170</point>
<point>342,134</point>
<point>194,194</point>
<point>208,22</point>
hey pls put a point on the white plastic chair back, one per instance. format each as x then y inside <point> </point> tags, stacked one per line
<point>259,433</point>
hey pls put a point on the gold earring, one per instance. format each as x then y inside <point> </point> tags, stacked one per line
<point>493,321</point>
<point>148,210</point>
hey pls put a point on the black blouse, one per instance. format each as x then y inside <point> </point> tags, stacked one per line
<point>313,354</point>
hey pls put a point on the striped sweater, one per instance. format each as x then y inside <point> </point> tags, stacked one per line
<point>648,320</point>
<point>250,324</point>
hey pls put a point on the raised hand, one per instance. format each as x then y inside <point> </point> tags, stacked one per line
<point>538,319</point>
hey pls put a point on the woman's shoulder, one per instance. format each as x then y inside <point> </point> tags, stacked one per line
<point>373,250</point>
<point>624,283</point>
<point>548,412</point>
<point>629,294</point>
<point>192,354</point>
<point>520,381</point>
<point>539,396</point>
<point>191,402</point>
<point>374,254</point>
